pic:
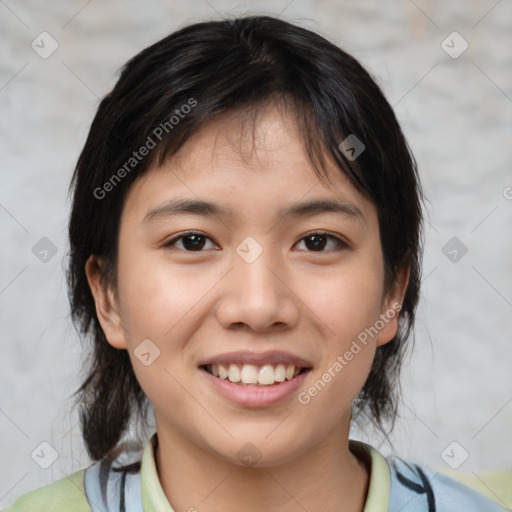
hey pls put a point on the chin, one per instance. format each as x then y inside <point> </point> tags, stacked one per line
<point>258,452</point>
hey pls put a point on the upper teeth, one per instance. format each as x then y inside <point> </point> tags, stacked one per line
<point>251,374</point>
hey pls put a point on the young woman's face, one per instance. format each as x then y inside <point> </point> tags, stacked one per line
<point>237,253</point>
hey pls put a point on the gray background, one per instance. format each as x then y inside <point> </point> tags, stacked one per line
<point>456,113</point>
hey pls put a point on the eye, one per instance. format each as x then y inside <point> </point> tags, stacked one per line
<point>195,242</point>
<point>319,241</point>
<point>191,242</point>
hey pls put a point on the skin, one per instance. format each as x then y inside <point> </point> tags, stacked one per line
<point>197,304</point>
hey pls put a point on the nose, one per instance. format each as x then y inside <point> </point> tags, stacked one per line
<point>258,297</point>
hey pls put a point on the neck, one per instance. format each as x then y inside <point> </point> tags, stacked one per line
<point>328,477</point>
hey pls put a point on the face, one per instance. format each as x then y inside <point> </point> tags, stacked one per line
<point>235,258</point>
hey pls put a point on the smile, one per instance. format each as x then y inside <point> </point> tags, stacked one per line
<point>250,374</point>
<point>255,379</point>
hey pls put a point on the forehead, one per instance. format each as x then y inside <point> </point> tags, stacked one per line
<point>258,138</point>
<point>251,160</point>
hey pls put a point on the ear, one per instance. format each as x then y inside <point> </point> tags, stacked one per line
<point>391,306</point>
<point>107,307</point>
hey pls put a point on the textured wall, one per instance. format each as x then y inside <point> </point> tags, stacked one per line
<point>456,112</point>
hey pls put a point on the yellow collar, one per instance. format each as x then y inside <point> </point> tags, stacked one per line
<point>154,499</point>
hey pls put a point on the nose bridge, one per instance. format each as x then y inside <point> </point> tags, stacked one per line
<point>255,282</point>
<point>256,278</point>
<point>255,294</point>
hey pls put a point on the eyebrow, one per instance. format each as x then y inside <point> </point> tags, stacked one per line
<point>209,209</point>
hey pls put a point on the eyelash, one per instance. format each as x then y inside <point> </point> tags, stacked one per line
<point>340,243</point>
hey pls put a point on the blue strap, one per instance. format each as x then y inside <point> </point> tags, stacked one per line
<point>419,488</point>
<point>111,489</point>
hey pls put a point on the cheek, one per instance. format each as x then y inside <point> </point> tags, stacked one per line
<point>347,301</point>
<point>156,298</point>
<point>347,305</point>
<point>161,308</point>
<point>348,309</point>
<point>154,308</point>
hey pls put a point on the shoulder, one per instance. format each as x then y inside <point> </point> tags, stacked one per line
<point>61,496</point>
<point>417,487</point>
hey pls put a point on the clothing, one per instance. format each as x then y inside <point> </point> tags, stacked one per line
<point>395,486</point>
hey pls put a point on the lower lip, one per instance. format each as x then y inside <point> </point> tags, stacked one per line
<point>255,396</point>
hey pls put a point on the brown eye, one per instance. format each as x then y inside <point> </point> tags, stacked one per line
<point>190,242</point>
<point>317,242</point>
<point>193,242</point>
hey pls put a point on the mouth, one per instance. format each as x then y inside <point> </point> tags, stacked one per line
<point>256,380</point>
<point>265,375</point>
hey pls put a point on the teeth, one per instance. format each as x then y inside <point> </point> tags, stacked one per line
<point>280,373</point>
<point>223,373</point>
<point>249,374</point>
<point>265,375</point>
<point>234,373</point>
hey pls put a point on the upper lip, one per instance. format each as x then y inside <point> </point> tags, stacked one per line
<point>259,359</point>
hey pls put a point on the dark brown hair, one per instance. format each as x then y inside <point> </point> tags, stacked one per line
<point>214,68</point>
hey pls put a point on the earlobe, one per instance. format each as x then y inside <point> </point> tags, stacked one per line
<point>107,308</point>
<point>392,306</point>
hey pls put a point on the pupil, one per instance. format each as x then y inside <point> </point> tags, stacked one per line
<point>197,242</point>
<point>318,244</point>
